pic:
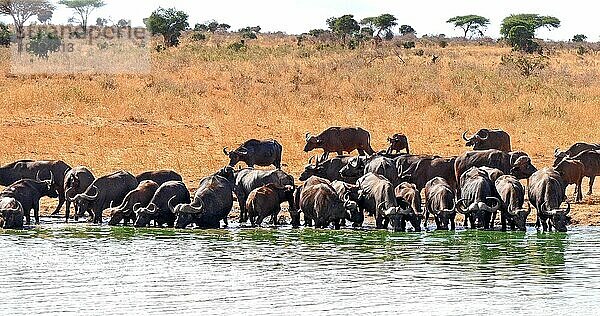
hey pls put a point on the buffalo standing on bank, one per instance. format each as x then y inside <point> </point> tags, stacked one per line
<point>139,197</point>
<point>256,152</point>
<point>340,140</point>
<point>486,139</point>
<point>547,193</point>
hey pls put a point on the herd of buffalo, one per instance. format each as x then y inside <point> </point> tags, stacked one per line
<point>335,191</point>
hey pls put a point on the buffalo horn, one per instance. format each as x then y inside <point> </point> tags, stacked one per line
<point>464,136</point>
<point>225,151</point>
<point>461,209</point>
<point>496,207</point>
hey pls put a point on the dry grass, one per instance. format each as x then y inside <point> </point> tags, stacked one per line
<point>201,98</point>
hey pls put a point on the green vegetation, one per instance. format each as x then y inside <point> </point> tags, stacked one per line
<point>83,9</point>
<point>470,24</point>
<point>169,23</point>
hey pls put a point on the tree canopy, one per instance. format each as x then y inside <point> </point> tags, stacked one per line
<point>531,22</point>
<point>407,29</point>
<point>212,27</point>
<point>382,23</point>
<point>473,24</point>
<point>578,38</point>
<point>169,23</point>
<point>83,9</point>
<point>23,10</point>
<point>343,26</point>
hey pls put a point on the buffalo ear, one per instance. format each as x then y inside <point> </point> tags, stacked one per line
<point>403,204</point>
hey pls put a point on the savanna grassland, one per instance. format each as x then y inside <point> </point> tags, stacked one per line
<point>202,97</point>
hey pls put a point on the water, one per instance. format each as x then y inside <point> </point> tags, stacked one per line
<point>86,270</point>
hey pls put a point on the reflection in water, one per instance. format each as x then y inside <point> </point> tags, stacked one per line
<point>92,270</point>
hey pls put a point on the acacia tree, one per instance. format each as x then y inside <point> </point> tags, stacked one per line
<point>519,30</point>
<point>407,29</point>
<point>474,24</point>
<point>212,27</point>
<point>83,9</point>
<point>169,23</point>
<point>382,23</point>
<point>343,26</point>
<point>21,11</point>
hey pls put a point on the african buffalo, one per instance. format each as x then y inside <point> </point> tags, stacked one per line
<point>328,169</point>
<point>489,139</point>
<point>212,202</point>
<point>29,192</point>
<point>409,193</point>
<point>547,193</point>
<point>102,192</point>
<point>256,152</point>
<point>340,140</point>
<point>516,163</point>
<point>477,192</point>
<point>159,209</point>
<point>359,166</point>
<point>159,176</point>
<point>591,164</point>
<point>572,172</point>
<point>321,204</point>
<point>139,197</point>
<point>266,201</point>
<point>11,213</point>
<point>440,202</point>
<point>398,142</point>
<point>512,195</point>
<point>295,212</point>
<point>379,199</point>
<point>573,151</point>
<point>29,169</point>
<point>425,169</point>
<point>77,180</point>
<point>249,179</point>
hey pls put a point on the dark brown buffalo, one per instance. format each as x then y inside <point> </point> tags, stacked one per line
<point>409,193</point>
<point>489,139</point>
<point>212,202</point>
<point>516,163</point>
<point>102,192</point>
<point>249,179</point>
<point>572,171</point>
<point>512,195</point>
<point>295,213</point>
<point>321,204</point>
<point>398,142</point>
<point>547,193</point>
<point>29,192</point>
<point>573,151</point>
<point>427,168</point>
<point>11,213</point>
<point>139,197</point>
<point>340,140</point>
<point>266,201</point>
<point>77,180</point>
<point>591,163</point>
<point>479,202</point>
<point>159,209</point>
<point>159,176</point>
<point>359,166</point>
<point>256,152</point>
<point>378,198</point>
<point>440,202</point>
<point>328,169</point>
<point>29,169</point>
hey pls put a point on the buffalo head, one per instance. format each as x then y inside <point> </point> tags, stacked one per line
<point>558,156</point>
<point>560,218</point>
<point>145,215</point>
<point>519,217</point>
<point>354,168</point>
<point>85,201</point>
<point>11,213</point>
<point>118,214</point>
<point>476,140</point>
<point>236,156</point>
<point>186,213</point>
<point>312,170</point>
<point>353,213</point>
<point>312,142</point>
<point>521,167</point>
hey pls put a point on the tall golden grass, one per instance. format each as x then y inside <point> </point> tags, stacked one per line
<point>202,97</point>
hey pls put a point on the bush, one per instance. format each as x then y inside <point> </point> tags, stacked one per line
<point>581,50</point>
<point>525,64</point>
<point>579,38</point>
<point>420,52</point>
<point>237,46</point>
<point>409,45</point>
<point>197,36</point>
<point>44,43</point>
<point>443,44</point>
<point>5,36</point>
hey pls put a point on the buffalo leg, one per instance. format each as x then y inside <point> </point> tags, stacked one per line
<point>591,184</point>
<point>61,201</point>
<point>361,152</point>
<point>503,220</point>
<point>27,216</point>
<point>453,223</point>
<point>67,210</point>
<point>36,212</point>
<point>275,215</point>
<point>578,189</point>
<point>336,224</point>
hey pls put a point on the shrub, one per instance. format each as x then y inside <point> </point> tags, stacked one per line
<point>197,36</point>
<point>527,65</point>
<point>5,36</point>
<point>443,44</point>
<point>237,46</point>
<point>409,45</point>
<point>420,52</point>
<point>44,43</point>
